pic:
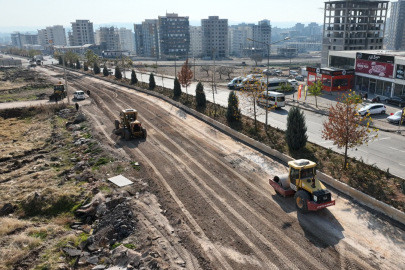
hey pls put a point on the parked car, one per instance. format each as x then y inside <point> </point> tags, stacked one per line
<point>292,72</point>
<point>293,82</point>
<point>235,81</point>
<point>255,76</point>
<point>79,94</point>
<point>299,78</point>
<point>395,118</point>
<point>396,100</point>
<point>372,109</point>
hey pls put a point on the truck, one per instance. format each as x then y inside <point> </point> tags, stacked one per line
<point>301,181</point>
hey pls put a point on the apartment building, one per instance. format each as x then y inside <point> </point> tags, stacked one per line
<point>353,25</point>
<point>214,37</point>
<point>396,30</point>
<point>238,35</point>
<point>107,38</point>
<point>82,33</point>
<point>52,35</point>
<point>262,33</point>
<point>126,40</point>
<point>173,35</point>
<point>195,41</point>
<point>150,38</point>
<point>138,40</point>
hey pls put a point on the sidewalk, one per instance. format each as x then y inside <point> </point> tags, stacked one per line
<point>378,120</point>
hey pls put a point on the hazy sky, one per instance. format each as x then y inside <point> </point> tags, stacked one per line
<point>16,14</point>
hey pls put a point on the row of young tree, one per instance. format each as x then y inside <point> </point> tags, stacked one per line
<point>345,126</point>
<point>22,52</point>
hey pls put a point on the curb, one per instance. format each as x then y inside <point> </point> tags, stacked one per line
<point>359,196</point>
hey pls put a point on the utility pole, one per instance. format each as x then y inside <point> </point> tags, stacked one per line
<point>213,80</point>
<point>66,84</point>
<point>267,73</point>
<point>194,67</point>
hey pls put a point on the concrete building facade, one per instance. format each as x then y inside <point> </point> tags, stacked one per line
<point>396,30</point>
<point>19,40</point>
<point>215,37</point>
<point>107,38</point>
<point>52,35</point>
<point>82,33</point>
<point>126,40</point>
<point>237,39</point>
<point>150,38</point>
<point>262,33</point>
<point>138,40</point>
<point>195,41</point>
<point>353,25</point>
<point>173,35</point>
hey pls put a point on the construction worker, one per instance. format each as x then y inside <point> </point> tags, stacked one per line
<point>88,93</point>
<point>77,106</point>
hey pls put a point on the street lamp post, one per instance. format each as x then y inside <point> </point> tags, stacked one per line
<point>267,73</point>
<point>64,71</point>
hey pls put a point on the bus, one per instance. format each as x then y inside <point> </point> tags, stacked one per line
<point>274,99</point>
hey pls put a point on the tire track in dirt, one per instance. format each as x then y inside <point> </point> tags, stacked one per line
<point>222,215</point>
<point>254,187</point>
<point>257,234</point>
<point>218,256</point>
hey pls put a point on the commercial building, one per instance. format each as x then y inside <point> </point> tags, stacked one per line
<point>107,38</point>
<point>376,72</point>
<point>52,35</point>
<point>214,37</point>
<point>333,79</point>
<point>353,25</point>
<point>173,35</point>
<point>396,29</point>
<point>82,33</point>
<point>195,41</point>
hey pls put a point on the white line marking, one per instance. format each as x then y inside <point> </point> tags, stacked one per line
<point>362,151</point>
<point>402,165</point>
<point>398,149</point>
<point>326,142</point>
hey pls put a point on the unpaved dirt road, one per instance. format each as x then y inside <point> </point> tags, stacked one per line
<point>214,191</point>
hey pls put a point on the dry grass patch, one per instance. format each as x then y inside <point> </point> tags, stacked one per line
<point>17,248</point>
<point>8,225</point>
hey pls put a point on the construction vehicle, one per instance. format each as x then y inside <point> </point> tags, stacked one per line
<point>129,126</point>
<point>59,92</point>
<point>309,193</point>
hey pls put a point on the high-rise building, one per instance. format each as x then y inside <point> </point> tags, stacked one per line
<point>195,41</point>
<point>107,38</point>
<point>173,35</point>
<point>82,33</point>
<point>262,33</point>
<point>396,29</point>
<point>150,38</point>
<point>126,39</point>
<point>138,40</point>
<point>214,37</point>
<point>353,25</point>
<point>52,35</point>
<point>238,35</point>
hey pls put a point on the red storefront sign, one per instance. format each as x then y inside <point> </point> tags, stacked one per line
<point>375,68</point>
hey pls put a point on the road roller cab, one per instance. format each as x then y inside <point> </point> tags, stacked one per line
<point>309,193</point>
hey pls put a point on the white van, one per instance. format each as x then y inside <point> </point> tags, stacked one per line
<point>274,99</point>
<point>79,95</point>
<point>274,84</point>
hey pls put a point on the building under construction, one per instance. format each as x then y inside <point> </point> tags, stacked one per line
<point>353,25</point>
